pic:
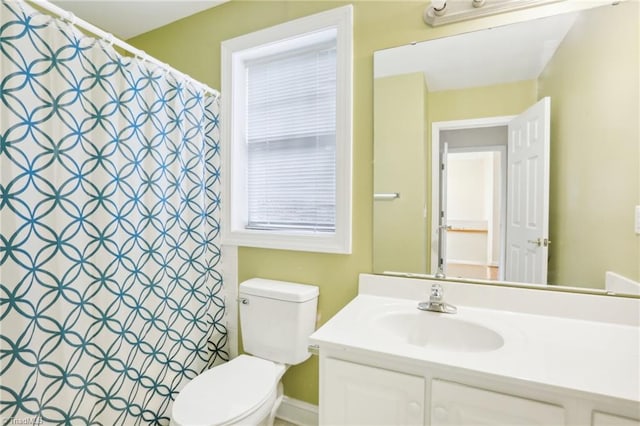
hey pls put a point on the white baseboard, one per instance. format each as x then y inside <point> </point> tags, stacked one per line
<point>298,412</point>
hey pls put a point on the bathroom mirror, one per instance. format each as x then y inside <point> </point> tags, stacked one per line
<point>456,101</point>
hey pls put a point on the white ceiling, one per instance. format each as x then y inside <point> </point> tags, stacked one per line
<point>504,54</point>
<point>129,18</point>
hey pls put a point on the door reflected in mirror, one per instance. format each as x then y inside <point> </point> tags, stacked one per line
<point>562,215</point>
<point>500,221</point>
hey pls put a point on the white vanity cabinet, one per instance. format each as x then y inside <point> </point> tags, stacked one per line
<point>389,392</point>
<point>384,362</point>
<point>355,394</point>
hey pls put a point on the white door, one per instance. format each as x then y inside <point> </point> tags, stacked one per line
<point>528,195</point>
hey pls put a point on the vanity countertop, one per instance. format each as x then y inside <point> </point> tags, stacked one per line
<point>574,354</point>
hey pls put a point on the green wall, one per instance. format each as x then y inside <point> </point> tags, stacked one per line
<point>478,102</point>
<point>595,182</point>
<point>401,228</point>
<point>192,45</point>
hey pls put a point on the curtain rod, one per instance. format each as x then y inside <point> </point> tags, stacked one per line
<point>111,39</point>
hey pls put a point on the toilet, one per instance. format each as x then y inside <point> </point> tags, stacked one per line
<point>276,319</point>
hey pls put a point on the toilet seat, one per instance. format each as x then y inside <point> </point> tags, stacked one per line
<point>227,393</point>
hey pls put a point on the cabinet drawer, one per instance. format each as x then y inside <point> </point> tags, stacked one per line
<point>456,404</point>
<point>605,419</point>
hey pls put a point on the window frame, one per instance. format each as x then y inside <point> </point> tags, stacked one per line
<point>235,52</point>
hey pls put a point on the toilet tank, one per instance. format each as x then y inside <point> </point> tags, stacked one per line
<point>277,318</point>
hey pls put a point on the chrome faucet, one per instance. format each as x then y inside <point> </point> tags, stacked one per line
<point>435,303</point>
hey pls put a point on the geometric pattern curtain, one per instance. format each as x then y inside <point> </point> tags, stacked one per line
<point>110,288</point>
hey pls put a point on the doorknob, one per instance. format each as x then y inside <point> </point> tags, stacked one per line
<point>541,242</point>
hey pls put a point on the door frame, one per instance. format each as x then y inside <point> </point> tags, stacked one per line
<point>436,128</point>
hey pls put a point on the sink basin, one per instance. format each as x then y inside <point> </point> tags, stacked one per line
<point>437,331</point>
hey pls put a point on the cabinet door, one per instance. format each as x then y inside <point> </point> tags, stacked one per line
<point>456,404</point>
<point>354,394</point>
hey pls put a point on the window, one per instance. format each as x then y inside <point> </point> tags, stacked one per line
<point>286,111</point>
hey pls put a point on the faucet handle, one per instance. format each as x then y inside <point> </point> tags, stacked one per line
<point>436,293</point>
<point>435,303</point>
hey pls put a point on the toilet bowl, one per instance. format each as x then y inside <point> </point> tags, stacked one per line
<point>276,318</point>
<point>243,391</point>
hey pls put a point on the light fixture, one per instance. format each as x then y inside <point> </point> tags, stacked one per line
<point>441,12</point>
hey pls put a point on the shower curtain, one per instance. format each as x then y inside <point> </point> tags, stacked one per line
<point>110,288</point>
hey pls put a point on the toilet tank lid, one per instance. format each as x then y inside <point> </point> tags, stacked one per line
<point>280,290</point>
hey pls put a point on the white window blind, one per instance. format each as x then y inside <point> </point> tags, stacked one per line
<point>291,138</point>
